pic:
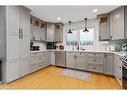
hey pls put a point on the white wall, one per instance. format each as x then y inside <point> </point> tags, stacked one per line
<point>41,44</point>
<point>92,23</point>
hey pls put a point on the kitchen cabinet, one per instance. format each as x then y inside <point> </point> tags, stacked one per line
<point>13,70</point>
<point>54,32</point>
<point>70,60</point>
<point>118,21</point>
<point>118,68</point>
<point>76,60</point>
<point>109,64</point>
<point>58,32</point>
<point>52,58</point>
<point>81,61</point>
<point>38,29</point>
<point>95,62</point>
<point>50,32</point>
<point>104,24</point>
<point>39,60</point>
<point>18,40</point>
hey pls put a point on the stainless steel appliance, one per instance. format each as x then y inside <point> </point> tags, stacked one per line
<point>124,71</point>
<point>60,57</point>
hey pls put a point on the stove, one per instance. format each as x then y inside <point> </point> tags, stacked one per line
<point>124,71</point>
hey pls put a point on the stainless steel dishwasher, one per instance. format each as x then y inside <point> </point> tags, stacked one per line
<point>60,58</point>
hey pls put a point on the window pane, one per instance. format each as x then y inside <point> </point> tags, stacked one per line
<point>71,38</point>
<point>87,38</point>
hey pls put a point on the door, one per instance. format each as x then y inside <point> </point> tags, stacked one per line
<point>50,32</point>
<point>118,24</point>
<point>13,17</point>
<point>70,60</point>
<point>25,66</point>
<point>81,61</point>
<point>13,70</point>
<point>104,28</point>
<point>109,67</point>
<point>13,41</point>
<point>25,41</point>
<point>25,32</point>
<point>13,46</point>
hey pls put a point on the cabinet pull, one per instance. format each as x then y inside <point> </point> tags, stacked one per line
<point>19,33</point>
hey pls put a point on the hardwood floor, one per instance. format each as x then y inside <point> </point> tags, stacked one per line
<point>49,78</point>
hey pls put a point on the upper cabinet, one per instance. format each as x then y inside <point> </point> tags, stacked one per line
<point>112,26</point>
<point>104,33</point>
<point>54,32</point>
<point>38,29</point>
<point>117,23</point>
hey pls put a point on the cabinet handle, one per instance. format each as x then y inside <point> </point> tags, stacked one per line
<point>119,78</point>
<point>110,37</point>
<point>94,54</point>
<point>19,33</point>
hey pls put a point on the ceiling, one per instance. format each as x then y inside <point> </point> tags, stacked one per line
<point>68,13</point>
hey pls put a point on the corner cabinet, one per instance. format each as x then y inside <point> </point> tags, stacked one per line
<point>118,22</point>
<point>104,30</point>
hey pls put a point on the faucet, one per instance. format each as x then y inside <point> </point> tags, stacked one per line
<point>76,43</point>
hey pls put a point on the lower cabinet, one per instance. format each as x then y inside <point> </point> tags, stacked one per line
<point>39,60</point>
<point>118,69</point>
<point>25,66</point>
<point>70,60</point>
<point>95,62</point>
<point>109,64</point>
<point>13,70</point>
<point>76,60</point>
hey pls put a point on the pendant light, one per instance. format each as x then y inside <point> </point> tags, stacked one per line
<point>69,23</point>
<point>85,30</point>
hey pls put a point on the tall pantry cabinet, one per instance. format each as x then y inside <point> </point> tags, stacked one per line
<point>17,23</point>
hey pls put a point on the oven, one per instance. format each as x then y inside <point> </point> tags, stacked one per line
<point>124,74</point>
<point>124,71</point>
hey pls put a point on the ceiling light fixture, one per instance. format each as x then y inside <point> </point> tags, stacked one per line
<point>85,30</point>
<point>95,10</point>
<point>69,23</point>
<point>58,18</point>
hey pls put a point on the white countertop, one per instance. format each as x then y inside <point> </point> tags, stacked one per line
<point>122,53</point>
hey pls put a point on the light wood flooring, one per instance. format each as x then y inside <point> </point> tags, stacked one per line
<point>49,78</point>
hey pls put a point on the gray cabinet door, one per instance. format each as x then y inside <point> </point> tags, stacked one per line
<point>104,33</point>
<point>81,61</point>
<point>13,19</point>
<point>118,24</point>
<point>109,65</point>
<point>50,32</point>
<point>13,70</point>
<point>70,60</point>
<point>25,66</point>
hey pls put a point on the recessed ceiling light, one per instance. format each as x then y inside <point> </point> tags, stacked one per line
<point>95,10</point>
<point>58,18</point>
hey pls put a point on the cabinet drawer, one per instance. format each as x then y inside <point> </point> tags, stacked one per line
<point>95,54</point>
<point>95,60</point>
<point>96,68</point>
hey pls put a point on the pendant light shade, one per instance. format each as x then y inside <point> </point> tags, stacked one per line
<point>85,30</point>
<point>69,27</point>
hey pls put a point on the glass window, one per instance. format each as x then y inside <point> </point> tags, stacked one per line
<point>87,38</point>
<point>72,38</point>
